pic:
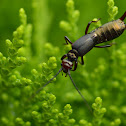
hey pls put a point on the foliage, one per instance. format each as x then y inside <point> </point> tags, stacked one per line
<point>22,74</point>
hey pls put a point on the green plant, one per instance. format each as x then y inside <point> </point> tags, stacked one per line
<point>21,77</point>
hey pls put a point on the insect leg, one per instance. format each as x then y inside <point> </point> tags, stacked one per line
<point>86,31</point>
<point>64,56</point>
<point>104,46</point>
<point>75,66</point>
<point>123,17</point>
<point>67,40</point>
<point>82,61</point>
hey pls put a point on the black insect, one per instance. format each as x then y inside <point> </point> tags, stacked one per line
<point>80,47</point>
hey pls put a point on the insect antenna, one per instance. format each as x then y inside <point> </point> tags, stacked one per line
<point>80,93</point>
<point>46,83</point>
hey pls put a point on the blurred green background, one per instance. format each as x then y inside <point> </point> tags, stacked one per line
<point>51,12</point>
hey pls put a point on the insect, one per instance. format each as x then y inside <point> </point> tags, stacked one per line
<point>83,45</point>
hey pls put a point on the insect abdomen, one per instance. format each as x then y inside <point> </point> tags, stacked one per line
<point>109,31</point>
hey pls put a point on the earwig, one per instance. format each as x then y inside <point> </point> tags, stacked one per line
<point>83,45</point>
